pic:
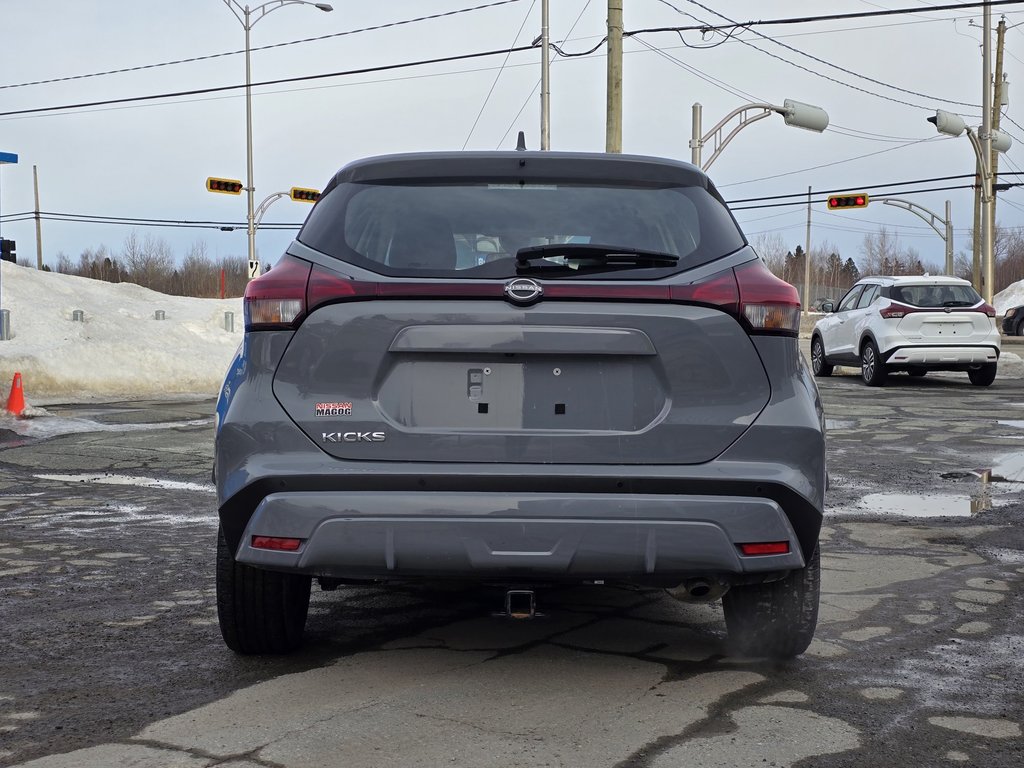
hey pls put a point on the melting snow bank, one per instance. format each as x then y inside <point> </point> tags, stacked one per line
<point>119,349</point>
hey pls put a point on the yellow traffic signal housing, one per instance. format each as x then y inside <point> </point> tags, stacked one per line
<point>224,186</point>
<point>857,200</point>
<point>302,195</point>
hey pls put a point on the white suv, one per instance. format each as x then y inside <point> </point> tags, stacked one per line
<point>913,324</point>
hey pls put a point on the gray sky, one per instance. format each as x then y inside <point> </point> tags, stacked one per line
<point>152,160</point>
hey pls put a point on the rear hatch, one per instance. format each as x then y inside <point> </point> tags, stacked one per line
<point>577,383</point>
<point>522,307</point>
<point>940,313</point>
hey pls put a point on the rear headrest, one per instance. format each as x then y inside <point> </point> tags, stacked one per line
<point>423,242</point>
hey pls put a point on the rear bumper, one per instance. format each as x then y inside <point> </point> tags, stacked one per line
<point>942,356</point>
<point>654,539</point>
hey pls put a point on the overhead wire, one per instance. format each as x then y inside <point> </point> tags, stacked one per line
<point>511,125</point>
<point>279,81</point>
<point>829,64</point>
<point>497,76</point>
<point>254,49</point>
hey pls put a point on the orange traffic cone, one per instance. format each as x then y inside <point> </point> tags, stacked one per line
<point>16,400</point>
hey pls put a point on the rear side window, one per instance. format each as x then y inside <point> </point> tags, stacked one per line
<point>475,229</point>
<point>869,295</point>
<point>935,295</point>
<point>850,299</point>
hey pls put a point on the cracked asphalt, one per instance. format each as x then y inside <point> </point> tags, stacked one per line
<point>110,653</point>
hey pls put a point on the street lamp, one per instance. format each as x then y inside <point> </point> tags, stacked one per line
<point>248,18</point>
<point>795,113</point>
<point>983,141</point>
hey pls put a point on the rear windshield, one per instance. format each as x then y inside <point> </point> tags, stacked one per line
<point>935,295</point>
<point>474,230</point>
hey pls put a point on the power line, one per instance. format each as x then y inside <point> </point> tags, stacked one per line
<point>90,218</point>
<point>835,162</point>
<point>537,84</point>
<point>260,48</point>
<point>281,81</point>
<point>823,200</point>
<point>847,187</point>
<point>836,67</point>
<point>497,76</point>
<point>793,63</point>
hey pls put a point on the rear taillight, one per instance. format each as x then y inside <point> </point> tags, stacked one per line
<point>894,311</point>
<point>769,304</point>
<point>277,299</point>
<point>988,309</point>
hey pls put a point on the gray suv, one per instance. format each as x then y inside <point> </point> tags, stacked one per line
<point>520,369</point>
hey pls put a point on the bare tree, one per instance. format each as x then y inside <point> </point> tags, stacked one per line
<point>150,263</point>
<point>772,249</point>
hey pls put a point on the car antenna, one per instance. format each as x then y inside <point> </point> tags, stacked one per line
<point>521,142</point>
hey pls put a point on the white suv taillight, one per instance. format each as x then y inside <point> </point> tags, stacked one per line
<point>894,311</point>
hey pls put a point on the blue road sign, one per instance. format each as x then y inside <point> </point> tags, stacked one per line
<point>8,157</point>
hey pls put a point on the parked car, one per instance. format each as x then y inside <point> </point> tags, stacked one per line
<point>1013,321</point>
<point>619,397</point>
<point>911,324</point>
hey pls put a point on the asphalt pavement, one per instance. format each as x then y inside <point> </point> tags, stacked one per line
<point>111,654</point>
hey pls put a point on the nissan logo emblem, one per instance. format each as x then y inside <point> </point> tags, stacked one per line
<point>523,290</point>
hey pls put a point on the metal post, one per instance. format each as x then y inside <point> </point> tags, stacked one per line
<point>250,189</point>
<point>993,156</point>
<point>986,155</point>
<point>807,258</point>
<point>613,123</point>
<point>949,238</point>
<point>39,226</point>
<point>5,325</point>
<point>696,143</point>
<point>545,79</point>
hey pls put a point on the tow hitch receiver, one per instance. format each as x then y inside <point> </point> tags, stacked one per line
<point>520,604</point>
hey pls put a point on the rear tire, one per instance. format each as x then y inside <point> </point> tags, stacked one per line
<point>777,619</point>
<point>983,376</point>
<point>872,369</point>
<point>260,612</point>
<point>819,363</point>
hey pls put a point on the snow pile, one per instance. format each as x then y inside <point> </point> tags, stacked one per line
<point>120,349</point>
<point>1011,296</point>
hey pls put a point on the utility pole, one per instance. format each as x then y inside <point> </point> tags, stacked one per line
<point>545,78</point>
<point>976,232</point>
<point>986,155</point>
<point>613,124</point>
<point>807,258</point>
<point>39,226</point>
<point>997,106</point>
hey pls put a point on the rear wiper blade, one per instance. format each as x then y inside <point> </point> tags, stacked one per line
<point>576,255</point>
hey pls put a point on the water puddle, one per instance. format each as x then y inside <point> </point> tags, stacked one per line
<point>925,504</point>
<point>57,426</point>
<point>840,424</point>
<point>1012,423</point>
<point>138,482</point>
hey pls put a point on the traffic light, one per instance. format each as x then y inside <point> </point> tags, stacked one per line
<point>224,186</point>
<point>7,250</point>
<point>303,195</point>
<point>858,200</point>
